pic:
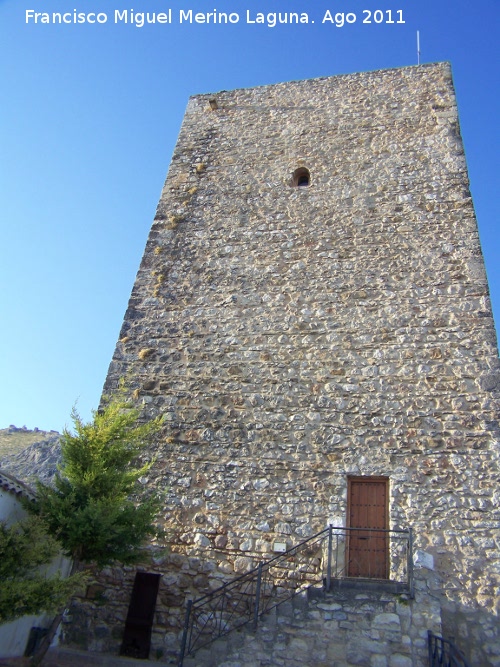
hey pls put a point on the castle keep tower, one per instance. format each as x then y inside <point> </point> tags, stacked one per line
<point>311,316</point>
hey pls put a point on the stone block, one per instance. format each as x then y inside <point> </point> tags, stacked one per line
<point>377,660</point>
<point>360,650</point>
<point>399,660</point>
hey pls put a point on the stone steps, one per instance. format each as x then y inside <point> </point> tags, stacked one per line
<point>344,628</point>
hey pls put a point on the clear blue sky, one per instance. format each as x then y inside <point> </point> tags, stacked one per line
<point>89,115</point>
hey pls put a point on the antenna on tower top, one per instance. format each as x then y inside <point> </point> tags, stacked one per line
<point>418,47</point>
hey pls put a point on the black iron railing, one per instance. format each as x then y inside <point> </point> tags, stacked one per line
<point>444,653</point>
<point>333,555</point>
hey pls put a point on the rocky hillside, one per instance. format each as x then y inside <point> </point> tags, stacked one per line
<point>29,454</point>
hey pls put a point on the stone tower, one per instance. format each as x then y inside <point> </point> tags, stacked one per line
<point>312,311</point>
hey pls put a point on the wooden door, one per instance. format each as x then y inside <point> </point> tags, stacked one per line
<point>137,635</point>
<point>367,552</point>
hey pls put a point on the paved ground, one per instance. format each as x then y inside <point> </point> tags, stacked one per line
<point>64,657</point>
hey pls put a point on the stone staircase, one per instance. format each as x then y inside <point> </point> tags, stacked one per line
<point>350,626</point>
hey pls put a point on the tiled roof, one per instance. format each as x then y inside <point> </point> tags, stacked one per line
<point>15,486</point>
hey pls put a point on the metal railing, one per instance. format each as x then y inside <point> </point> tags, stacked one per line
<point>444,653</point>
<point>333,555</point>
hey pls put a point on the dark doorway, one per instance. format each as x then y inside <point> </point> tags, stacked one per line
<point>367,553</point>
<point>137,636</point>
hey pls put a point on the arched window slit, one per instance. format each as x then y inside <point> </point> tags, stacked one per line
<point>301,178</point>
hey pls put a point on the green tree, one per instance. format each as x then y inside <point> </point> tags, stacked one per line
<point>97,509</point>
<point>25,548</point>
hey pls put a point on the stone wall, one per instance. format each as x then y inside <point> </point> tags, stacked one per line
<point>295,336</point>
<point>348,626</point>
<point>342,629</point>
